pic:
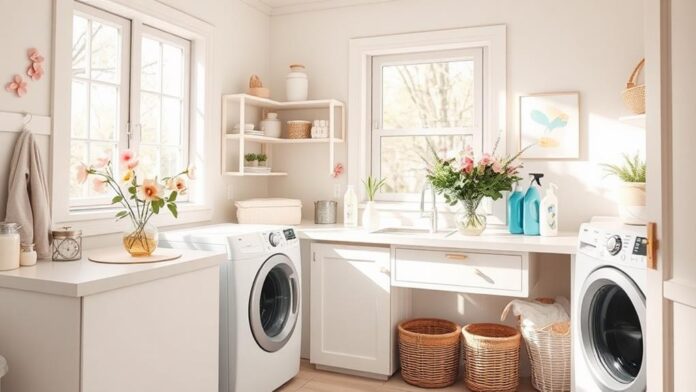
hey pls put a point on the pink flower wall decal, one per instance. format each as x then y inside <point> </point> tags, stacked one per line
<point>17,86</point>
<point>337,171</point>
<point>35,71</point>
<point>35,56</point>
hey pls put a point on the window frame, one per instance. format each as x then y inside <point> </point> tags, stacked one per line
<point>376,108</point>
<point>97,221</point>
<point>492,39</point>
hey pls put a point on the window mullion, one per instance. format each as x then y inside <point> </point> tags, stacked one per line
<point>135,131</point>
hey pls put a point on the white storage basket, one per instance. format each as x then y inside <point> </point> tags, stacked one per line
<point>269,211</point>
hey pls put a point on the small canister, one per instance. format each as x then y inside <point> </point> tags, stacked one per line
<point>325,212</point>
<point>28,255</point>
<point>9,246</point>
<point>66,244</point>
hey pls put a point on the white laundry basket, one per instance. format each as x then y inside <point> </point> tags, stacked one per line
<point>3,368</point>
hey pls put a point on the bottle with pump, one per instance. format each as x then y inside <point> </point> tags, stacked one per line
<point>532,199</point>
<point>515,206</point>
<point>350,208</point>
<point>548,219</point>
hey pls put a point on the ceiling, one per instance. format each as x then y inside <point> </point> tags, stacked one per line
<point>281,7</point>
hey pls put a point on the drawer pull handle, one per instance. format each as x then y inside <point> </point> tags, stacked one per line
<point>455,256</point>
<point>484,276</point>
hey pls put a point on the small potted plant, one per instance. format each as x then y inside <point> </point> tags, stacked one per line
<point>370,216</point>
<point>251,160</point>
<point>262,158</point>
<point>631,195</point>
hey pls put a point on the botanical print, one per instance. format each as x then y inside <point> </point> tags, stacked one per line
<point>550,126</point>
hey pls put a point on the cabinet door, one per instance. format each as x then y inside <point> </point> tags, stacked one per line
<point>350,308</point>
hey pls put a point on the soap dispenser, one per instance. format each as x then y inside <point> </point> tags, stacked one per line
<point>532,199</point>
<point>548,220</point>
<point>515,206</point>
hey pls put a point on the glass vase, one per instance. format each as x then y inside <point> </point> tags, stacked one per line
<point>141,239</point>
<point>468,220</point>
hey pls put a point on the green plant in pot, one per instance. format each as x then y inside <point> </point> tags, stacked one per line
<point>251,160</point>
<point>262,159</point>
<point>631,194</point>
<point>370,216</point>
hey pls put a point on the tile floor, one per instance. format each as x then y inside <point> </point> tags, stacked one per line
<point>312,380</point>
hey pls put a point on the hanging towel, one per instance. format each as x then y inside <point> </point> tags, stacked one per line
<point>27,197</point>
<point>536,315</point>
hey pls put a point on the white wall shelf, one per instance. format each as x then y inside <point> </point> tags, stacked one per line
<point>242,109</point>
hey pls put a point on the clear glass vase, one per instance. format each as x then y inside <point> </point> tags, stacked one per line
<point>141,239</point>
<point>468,220</point>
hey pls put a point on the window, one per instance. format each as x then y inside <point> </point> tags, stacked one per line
<point>421,101</point>
<point>130,89</point>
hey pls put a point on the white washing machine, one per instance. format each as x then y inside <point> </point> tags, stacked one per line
<point>608,301</point>
<point>260,323</point>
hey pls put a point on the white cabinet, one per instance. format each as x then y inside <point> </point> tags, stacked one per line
<point>354,311</point>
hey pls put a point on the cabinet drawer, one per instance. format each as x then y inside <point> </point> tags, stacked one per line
<point>504,274</point>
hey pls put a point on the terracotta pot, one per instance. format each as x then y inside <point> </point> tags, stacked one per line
<point>631,198</point>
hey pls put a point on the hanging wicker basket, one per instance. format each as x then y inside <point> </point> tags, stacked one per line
<point>429,351</point>
<point>634,94</point>
<point>492,357</point>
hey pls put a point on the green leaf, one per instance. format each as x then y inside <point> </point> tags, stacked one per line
<point>172,197</point>
<point>132,190</point>
<point>121,214</point>
<point>155,207</point>
<point>117,199</point>
<point>173,210</point>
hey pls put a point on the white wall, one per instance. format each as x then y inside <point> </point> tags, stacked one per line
<point>587,46</point>
<point>241,44</point>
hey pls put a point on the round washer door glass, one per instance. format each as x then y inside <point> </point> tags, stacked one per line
<point>613,321</point>
<point>274,302</point>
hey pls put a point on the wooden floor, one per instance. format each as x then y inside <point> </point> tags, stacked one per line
<point>311,380</point>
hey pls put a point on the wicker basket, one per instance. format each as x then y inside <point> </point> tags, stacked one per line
<point>549,354</point>
<point>634,95</point>
<point>299,129</point>
<point>492,357</point>
<point>429,351</point>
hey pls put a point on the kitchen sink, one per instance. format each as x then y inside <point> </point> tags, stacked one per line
<point>405,231</point>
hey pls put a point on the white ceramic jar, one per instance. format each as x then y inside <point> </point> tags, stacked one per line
<point>9,246</point>
<point>28,255</point>
<point>296,84</point>
<point>271,126</point>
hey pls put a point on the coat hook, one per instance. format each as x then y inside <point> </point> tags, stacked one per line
<point>27,118</point>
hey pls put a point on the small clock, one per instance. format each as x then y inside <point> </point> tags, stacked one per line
<point>66,244</point>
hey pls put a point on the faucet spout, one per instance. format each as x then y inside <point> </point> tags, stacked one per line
<point>432,214</point>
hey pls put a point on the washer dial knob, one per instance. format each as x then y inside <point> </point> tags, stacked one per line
<point>614,245</point>
<point>274,239</point>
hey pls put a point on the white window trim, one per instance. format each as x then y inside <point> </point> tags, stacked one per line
<point>493,41</point>
<point>201,139</point>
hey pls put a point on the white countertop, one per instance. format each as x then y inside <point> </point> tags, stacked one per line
<point>492,239</point>
<point>83,277</point>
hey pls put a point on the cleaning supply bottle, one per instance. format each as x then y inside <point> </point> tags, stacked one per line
<point>350,208</point>
<point>515,206</point>
<point>532,199</point>
<point>548,219</point>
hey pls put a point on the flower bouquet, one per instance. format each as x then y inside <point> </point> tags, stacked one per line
<point>468,181</point>
<point>140,200</point>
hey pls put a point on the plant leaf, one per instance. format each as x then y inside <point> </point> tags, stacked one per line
<point>155,207</point>
<point>173,210</point>
<point>117,199</point>
<point>172,197</point>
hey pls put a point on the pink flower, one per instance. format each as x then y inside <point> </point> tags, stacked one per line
<point>150,190</point>
<point>468,165</point>
<point>102,161</point>
<point>128,159</point>
<point>176,184</point>
<point>35,56</point>
<point>99,185</point>
<point>497,167</point>
<point>191,172</point>
<point>513,167</point>
<point>81,173</point>
<point>469,151</point>
<point>35,71</point>
<point>486,160</point>
<point>337,171</point>
<point>17,85</point>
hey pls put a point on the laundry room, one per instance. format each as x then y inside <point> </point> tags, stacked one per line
<point>347,195</point>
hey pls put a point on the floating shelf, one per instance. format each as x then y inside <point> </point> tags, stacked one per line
<point>242,102</point>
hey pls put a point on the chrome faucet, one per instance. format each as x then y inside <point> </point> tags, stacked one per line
<point>432,213</point>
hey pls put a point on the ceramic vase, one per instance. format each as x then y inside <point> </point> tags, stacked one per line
<point>296,83</point>
<point>271,126</point>
<point>631,198</point>
<point>370,217</point>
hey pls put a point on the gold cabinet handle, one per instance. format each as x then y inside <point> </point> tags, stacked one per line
<point>456,256</point>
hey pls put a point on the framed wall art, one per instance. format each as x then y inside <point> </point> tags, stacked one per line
<point>550,124</point>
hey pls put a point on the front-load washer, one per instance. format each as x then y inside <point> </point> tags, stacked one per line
<point>608,308</point>
<point>260,323</point>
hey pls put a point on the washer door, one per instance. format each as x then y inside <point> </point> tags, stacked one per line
<point>274,303</point>
<point>612,326</point>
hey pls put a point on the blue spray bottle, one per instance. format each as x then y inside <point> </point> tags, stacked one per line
<point>532,199</point>
<point>515,210</point>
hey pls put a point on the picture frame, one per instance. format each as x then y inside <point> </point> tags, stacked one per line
<point>550,125</point>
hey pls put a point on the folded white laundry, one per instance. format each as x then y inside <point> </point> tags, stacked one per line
<point>538,315</point>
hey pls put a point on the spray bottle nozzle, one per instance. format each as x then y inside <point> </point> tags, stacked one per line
<point>537,177</point>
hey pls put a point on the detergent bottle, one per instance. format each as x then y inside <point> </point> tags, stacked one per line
<point>515,206</point>
<point>532,199</point>
<point>548,219</point>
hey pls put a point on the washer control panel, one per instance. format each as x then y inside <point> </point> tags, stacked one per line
<point>614,243</point>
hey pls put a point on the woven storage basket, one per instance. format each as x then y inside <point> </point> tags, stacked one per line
<point>492,357</point>
<point>549,354</point>
<point>634,94</point>
<point>429,351</point>
<point>299,129</point>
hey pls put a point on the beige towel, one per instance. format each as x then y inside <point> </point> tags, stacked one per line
<point>27,195</point>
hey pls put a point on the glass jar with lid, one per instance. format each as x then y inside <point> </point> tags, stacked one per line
<point>66,244</point>
<point>9,246</point>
